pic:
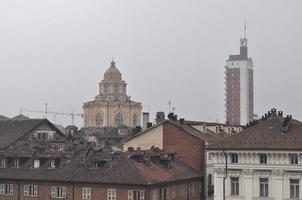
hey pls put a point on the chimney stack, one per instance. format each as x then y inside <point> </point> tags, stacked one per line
<point>160,117</point>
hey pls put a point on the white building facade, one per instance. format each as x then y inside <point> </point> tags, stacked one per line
<point>263,162</point>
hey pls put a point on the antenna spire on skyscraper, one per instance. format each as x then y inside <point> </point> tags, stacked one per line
<point>244,36</point>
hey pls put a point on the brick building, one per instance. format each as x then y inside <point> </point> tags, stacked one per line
<point>37,161</point>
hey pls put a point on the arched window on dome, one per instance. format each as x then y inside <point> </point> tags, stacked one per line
<point>119,119</point>
<point>115,88</point>
<point>98,119</point>
<point>134,120</point>
<point>106,88</point>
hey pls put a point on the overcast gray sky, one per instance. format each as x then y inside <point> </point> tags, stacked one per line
<point>56,51</point>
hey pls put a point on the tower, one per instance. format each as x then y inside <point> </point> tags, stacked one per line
<point>112,107</point>
<point>239,86</point>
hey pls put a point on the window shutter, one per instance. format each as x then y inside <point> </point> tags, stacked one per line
<point>25,190</point>
<point>53,192</point>
<point>129,194</point>
<point>11,191</point>
<point>35,190</point>
<point>64,192</point>
<point>2,189</point>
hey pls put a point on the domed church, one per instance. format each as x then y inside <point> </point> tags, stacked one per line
<point>112,107</point>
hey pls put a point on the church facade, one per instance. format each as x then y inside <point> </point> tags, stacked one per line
<point>112,107</point>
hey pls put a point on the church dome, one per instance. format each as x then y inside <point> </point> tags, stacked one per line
<point>112,73</point>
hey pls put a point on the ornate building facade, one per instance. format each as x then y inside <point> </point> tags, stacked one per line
<point>112,107</point>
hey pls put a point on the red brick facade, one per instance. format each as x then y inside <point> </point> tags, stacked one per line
<point>188,147</point>
<point>189,190</point>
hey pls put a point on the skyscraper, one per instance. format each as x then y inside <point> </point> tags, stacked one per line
<point>239,86</point>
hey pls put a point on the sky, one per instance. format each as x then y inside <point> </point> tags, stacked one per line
<point>56,51</point>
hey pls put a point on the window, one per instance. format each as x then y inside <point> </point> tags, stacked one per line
<point>111,194</point>
<point>183,190</point>
<point>293,159</point>
<point>134,119</point>
<point>30,190</point>
<point>234,186</point>
<point>294,188</point>
<point>173,192</point>
<point>3,163</point>
<point>36,163</point>
<point>115,88</point>
<point>263,187</point>
<point>6,189</point>
<point>166,193</point>
<point>197,187</point>
<point>263,158</point>
<point>155,195</point>
<point>16,162</point>
<point>52,163</point>
<point>98,119</point>
<point>191,189</point>
<point>58,192</point>
<point>86,193</point>
<point>234,158</point>
<point>136,194</point>
<point>106,88</point>
<point>119,119</point>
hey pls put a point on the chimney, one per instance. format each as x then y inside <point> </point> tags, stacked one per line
<point>182,121</point>
<point>146,119</point>
<point>160,117</point>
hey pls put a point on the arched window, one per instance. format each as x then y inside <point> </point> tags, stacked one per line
<point>115,88</point>
<point>98,119</point>
<point>134,120</point>
<point>119,119</point>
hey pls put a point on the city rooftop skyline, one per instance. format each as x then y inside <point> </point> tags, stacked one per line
<point>56,52</point>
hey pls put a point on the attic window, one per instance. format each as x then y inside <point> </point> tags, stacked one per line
<point>3,163</point>
<point>17,162</point>
<point>53,163</point>
<point>263,158</point>
<point>293,159</point>
<point>36,163</point>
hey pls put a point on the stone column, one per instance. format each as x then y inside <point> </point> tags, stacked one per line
<point>248,179</point>
<point>218,183</point>
<point>278,184</point>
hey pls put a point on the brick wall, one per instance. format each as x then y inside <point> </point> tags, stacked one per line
<point>188,147</point>
<point>98,192</point>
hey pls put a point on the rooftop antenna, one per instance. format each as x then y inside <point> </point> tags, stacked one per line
<point>46,104</point>
<point>244,32</point>
<point>169,106</point>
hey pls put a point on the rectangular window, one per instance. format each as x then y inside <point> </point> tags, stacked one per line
<point>263,187</point>
<point>30,190</point>
<point>86,193</point>
<point>293,159</point>
<point>155,194</point>
<point>36,163</point>
<point>136,195</point>
<point>234,158</point>
<point>263,158</point>
<point>294,188</point>
<point>173,191</point>
<point>183,191</point>
<point>3,163</point>
<point>111,194</point>
<point>234,186</point>
<point>191,189</point>
<point>16,162</point>
<point>58,192</point>
<point>6,189</point>
<point>197,187</point>
<point>52,163</point>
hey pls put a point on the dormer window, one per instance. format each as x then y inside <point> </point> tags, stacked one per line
<point>53,163</point>
<point>44,135</point>
<point>16,162</point>
<point>96,165</point>
<point>36,163</point>
<point>3,163</point>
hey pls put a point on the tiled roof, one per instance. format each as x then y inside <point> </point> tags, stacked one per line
<point>116,168</point>
<point>270,133</point>
<point>3,118</point>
